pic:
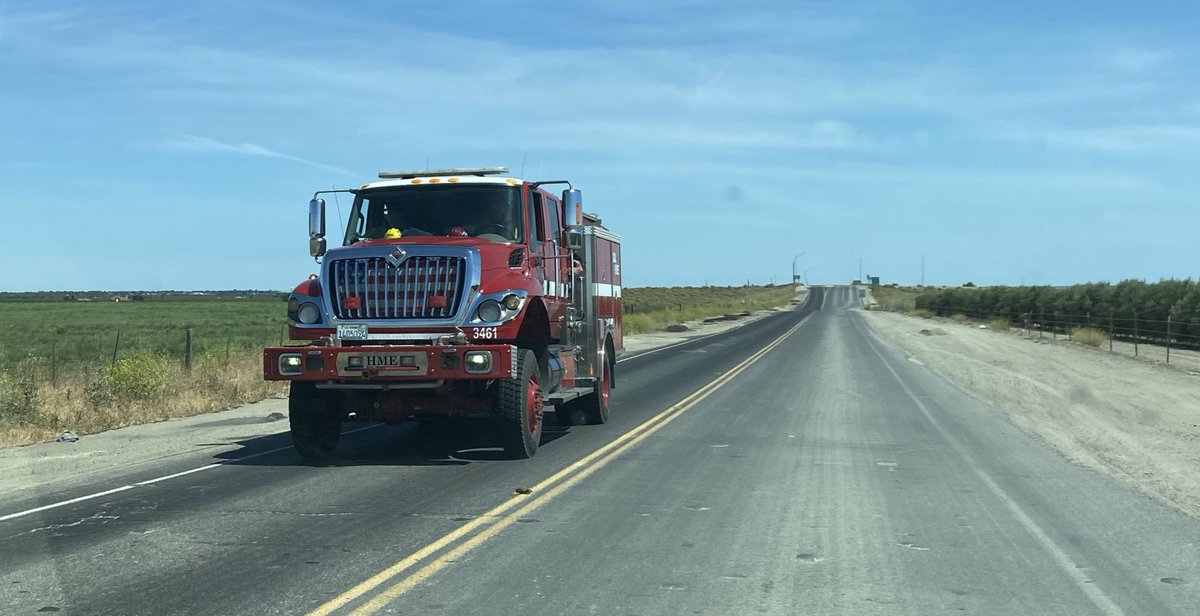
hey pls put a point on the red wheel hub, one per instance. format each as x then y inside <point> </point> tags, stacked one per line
<point>605,388</point>
<point>533,402</point>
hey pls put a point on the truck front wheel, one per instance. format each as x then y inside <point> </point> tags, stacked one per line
<point>519,407</point>
<point>315,422</point>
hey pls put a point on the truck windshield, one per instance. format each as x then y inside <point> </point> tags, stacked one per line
<point>491,212</point>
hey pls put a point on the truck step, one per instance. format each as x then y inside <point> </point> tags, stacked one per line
<point>568,394</point>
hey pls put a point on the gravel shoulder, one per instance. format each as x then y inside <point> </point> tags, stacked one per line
<point>147,448</point>
<point>1137,421</point>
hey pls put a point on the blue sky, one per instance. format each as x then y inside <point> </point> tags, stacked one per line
<point>169,146</point>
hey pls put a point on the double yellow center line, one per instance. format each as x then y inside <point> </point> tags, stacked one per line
<point>491,523</point>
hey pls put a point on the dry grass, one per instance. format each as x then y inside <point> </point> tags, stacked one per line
<point>1089,335</point>
<point>999,324</point>
<point>79,402</point>
<point>897,298</point>
<point>671,306</point>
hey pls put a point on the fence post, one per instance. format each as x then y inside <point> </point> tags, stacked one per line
<point>1042,324</point>
<point>1135,334</point>
<point>1168,338</point>
<point>1110,330</point>
<point>187,351</point>
<point>1054,327</point>
<point>53,363</point>
<point>116,347</point>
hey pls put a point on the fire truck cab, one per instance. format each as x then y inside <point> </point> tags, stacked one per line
<point>459,292</point>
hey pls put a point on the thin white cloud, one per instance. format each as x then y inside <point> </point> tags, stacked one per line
<point>13,24</point>
<point>1111,139</point>
<point>1134,59</point>
<point>657,135</point>
<point>195,143</point>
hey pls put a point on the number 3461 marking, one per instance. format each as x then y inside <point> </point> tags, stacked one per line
<point>485,333</point>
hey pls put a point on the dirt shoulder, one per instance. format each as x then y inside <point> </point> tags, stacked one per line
<point>1137,421</point>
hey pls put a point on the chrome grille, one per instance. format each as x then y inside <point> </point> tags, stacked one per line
<point>421,287</point>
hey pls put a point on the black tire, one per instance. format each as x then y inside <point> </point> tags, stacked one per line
<point>519,408</point>
<point>595,405</point>
<point>315,422</point>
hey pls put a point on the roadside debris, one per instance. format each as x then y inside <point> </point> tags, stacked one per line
<point>67,437</point>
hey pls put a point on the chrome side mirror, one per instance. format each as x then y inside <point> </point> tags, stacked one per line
<point>573,205</point>
<point>316,227</point>
<point>316,218</point>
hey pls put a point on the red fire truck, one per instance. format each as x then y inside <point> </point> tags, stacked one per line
<point>458,292</point>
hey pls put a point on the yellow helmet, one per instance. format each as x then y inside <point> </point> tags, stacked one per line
<point>392,233</point>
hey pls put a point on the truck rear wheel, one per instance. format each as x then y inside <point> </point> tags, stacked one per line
<point>519,406</point>
<point>595,405</point>
<point>315,422</point>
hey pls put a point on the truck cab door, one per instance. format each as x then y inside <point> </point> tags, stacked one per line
<point>546,221</point>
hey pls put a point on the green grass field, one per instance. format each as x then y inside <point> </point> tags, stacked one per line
<point>81,333</point>
<point>57,370</point>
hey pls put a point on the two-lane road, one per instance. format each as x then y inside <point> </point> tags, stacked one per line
<point>795,465</point>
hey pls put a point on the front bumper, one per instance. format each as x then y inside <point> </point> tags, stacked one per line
<point>388,363</point>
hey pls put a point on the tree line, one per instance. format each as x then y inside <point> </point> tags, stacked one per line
<point>1128,308</point>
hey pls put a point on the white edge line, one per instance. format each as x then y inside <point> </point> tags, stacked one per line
<point>66,502</point>
<point>669,346</point>
<point>138,484</point>
<point>1066,564</point>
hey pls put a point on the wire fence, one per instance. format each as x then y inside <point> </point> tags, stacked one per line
<point>182,347</point>
<point>1132,329</point>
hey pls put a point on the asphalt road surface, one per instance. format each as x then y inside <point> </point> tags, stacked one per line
<point>795,465</point>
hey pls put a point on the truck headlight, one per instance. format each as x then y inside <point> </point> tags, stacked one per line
<point>489,311</point>
<point>511,301</point>
<point>478,362</point>
<point>309,313</point>
<point>291,364</point>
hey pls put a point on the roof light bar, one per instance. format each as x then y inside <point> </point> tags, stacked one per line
<point>426,173</point>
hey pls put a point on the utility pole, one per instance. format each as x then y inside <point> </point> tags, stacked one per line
<point>794,265</point>
<point>860,269</point>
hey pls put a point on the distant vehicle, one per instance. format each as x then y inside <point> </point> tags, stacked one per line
<point>455,292</point>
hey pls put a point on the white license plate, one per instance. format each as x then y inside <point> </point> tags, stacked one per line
<point>352,332</point>
<point>385,361</point>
